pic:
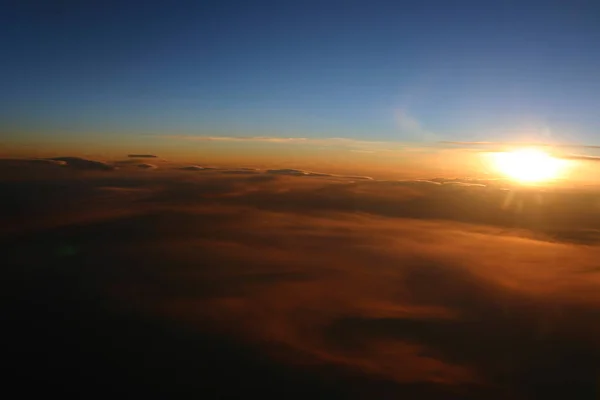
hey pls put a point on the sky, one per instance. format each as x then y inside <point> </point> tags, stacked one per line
<point>401,71</point>
<point>292,198</point>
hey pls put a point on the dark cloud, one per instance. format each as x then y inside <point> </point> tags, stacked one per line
<point>291,172</point>
<point>289,288</point>
<point>241,171</point>
<point>141,156</point>
<point>299,172</point>
<point>46,162</point>
<point>27,162</point>
<point>84,164</point>
<point>196,168</point>
<point>411,182</point>
<point>146,166</point>
<point>126,162</point>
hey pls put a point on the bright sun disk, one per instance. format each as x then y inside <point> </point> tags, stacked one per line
<point>528,165</point>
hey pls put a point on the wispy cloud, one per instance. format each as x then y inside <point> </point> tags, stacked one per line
<point>409,126</point>
<point>561,145</point>
<point>558,147</point>
<point>271,139</point>
<point>367,145</point>
<point>580,157</point>
<point>299,172</point>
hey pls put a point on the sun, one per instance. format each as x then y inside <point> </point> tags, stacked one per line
<point>528,165</point>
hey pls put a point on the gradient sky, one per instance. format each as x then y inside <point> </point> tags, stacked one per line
<point>371,70</point>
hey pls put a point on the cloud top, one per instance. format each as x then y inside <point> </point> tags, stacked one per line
<point>84,164</point>
<point>432,288</point>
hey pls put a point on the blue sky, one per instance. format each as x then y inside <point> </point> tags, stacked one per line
<point>370,70</point>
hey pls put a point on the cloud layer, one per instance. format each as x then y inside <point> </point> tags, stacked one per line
<point>293,285</point>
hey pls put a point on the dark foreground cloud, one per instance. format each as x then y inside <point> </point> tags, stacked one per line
<point>232,285</point>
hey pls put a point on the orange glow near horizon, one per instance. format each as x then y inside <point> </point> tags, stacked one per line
<point>529,165</point>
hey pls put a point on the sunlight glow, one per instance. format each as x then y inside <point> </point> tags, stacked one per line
<point>528,165</point>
